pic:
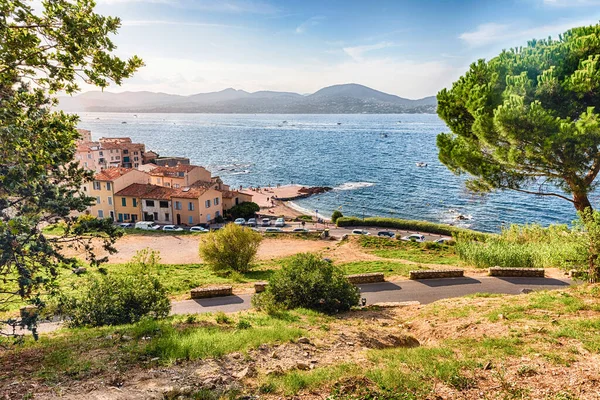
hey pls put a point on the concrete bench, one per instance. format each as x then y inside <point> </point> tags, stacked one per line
<point>517,272</point>
<point>436,273</point>
<point>211,291</point>
<point>260,287</point>
<point>366,278</point>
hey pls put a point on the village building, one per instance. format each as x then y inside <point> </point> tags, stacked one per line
<point>84,135</point>
<point>232,198</point>
<point>109,153</point>
<point>144,202</point>
<point>179,176</point>
<point>198,203</point>
<point>104,186</point>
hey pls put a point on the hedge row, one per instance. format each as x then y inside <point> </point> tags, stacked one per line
<point>411,225</point>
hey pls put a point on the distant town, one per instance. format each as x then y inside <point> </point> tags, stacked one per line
<point>131,184</point>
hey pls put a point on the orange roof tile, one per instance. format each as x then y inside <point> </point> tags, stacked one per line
<point>110,174</point>
<point>172,171</point>
<point>146,191</point>
<point>193,191</point>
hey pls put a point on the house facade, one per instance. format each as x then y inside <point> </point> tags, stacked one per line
<point>106,184</point>
<point>196,204</point>
<point>179,176</point>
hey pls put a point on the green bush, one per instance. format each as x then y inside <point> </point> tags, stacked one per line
<point>307,281</point>
<point>121,299</point>
<point>247,209</point>
<point>336,215</point>
<point>410,225</point>
<point>232,248</point>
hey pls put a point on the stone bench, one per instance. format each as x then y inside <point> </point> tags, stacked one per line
<point>260,287</point>
<point>436,273</point>
<point>366,278</point>
<point>517,272</point>
<point>211,291</point>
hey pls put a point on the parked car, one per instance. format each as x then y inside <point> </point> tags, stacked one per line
<point>443,240</point>
<point>360,232</point>
<point>299,230</point>
<point>280,222</point>
<point>266,222</point>
<point>147,225</point>
<point>251,222</point>
<point>198,229</point>
<point>273,230</point>
<point>126,225</point>
<point>240,221</point>
<point>172,228</point>
<point>415,237</point>
<point>386,234</point>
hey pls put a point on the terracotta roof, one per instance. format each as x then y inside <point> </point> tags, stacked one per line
<point>110,174</point>
<point>146,191</point>
<point>172,171</point>
<point>87,146</point>
<point>193,191</point>
<point>228,194</point>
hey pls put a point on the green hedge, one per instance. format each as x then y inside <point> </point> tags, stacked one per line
<point>411,225</point>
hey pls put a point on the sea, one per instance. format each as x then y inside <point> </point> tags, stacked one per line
<point>370,161</point>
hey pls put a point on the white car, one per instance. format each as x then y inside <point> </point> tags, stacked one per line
<point>415,237</point>
<point>240,221</point>
<point>172,228</point>
<point>198,229</point>
<point>360,232</point>
<point>273,230</point>
<point>303,230</point>
<point>443,240</point>
<point>147,225</point>
<point>280,223</point>
<point>266,222</point>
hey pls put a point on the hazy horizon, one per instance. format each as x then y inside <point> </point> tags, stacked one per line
<point>409,48</point>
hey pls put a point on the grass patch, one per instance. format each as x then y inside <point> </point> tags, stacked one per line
<point>389,268</point>
<point>426,253</point>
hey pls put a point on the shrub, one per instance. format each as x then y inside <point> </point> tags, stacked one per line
<point>308,281</point>
<point>232,248</point>
<point>336,215</point>
<point>121,299</point>
<point>419,226</point>
<point>247,209</point>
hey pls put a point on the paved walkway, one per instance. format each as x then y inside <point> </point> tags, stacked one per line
<point>425,291</point>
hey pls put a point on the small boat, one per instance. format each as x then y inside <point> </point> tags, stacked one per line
<point>384,135</point>
<point>123,122</point>
<point>421,164</point>
<point>339,123</point>
<point>284,122</point>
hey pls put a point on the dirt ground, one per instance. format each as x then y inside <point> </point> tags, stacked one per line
<point>184,249</point>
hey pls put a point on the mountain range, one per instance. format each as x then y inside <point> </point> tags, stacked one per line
<point>338,99</point>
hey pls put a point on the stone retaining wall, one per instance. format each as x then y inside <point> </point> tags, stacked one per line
<point>211,291</point>
<point>436,273</point>
<point>517,272</point>
<point>260,287</point>
<point>366,278</point>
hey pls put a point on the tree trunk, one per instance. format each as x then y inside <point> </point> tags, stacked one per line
<point>581,201</point>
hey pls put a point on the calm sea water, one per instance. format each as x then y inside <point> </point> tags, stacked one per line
<point>370,160</point>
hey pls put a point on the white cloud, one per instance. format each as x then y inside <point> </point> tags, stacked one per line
<point>312,21</point>
<point>356,52</point>
<point>571,3</point>
<point>513,34</point>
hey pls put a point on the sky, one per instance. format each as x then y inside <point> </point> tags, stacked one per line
<point>411,48</point>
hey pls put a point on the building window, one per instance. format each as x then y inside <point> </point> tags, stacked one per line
<point>207,203</point>
<point>100,214</point>
<point>155,215</point>
<point>178,205</point>
<point>120,217</point>
<point>149,203</point>
<point>163,204</point>
<point>100,153</point>
<point>125,151</point>
<point>135,152</point>
<point>190,220</point>
<point>177,186</point>
<point>126,217</point>
<point>167,184</point>
<point>107,185</point>
<point>135,202</point>
<point>216,201</point>
<point>96,185</point>
<point>166,216</point>
<point>157,180</point>
<point>89,156</point>
<point>124,201</point>
<point>98,200</point>
<point>110,201</point>
<point>181,173</point>
<point>190,206</point>
<point>136,159</point>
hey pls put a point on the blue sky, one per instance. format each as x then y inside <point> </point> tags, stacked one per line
<point>411,48</point>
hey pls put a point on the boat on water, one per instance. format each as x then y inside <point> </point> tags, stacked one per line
<point>421,164</point>
<point>124,122</point>
<point>339,123</point>
<point>384,135</point>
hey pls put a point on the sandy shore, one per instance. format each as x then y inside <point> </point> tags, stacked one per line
<point>266,199</point>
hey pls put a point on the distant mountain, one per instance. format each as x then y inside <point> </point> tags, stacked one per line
<point>338,99</point>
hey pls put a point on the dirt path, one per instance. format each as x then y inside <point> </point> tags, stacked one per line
<point>184,249</point>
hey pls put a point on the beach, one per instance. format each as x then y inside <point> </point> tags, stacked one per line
<point>270,203</point>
